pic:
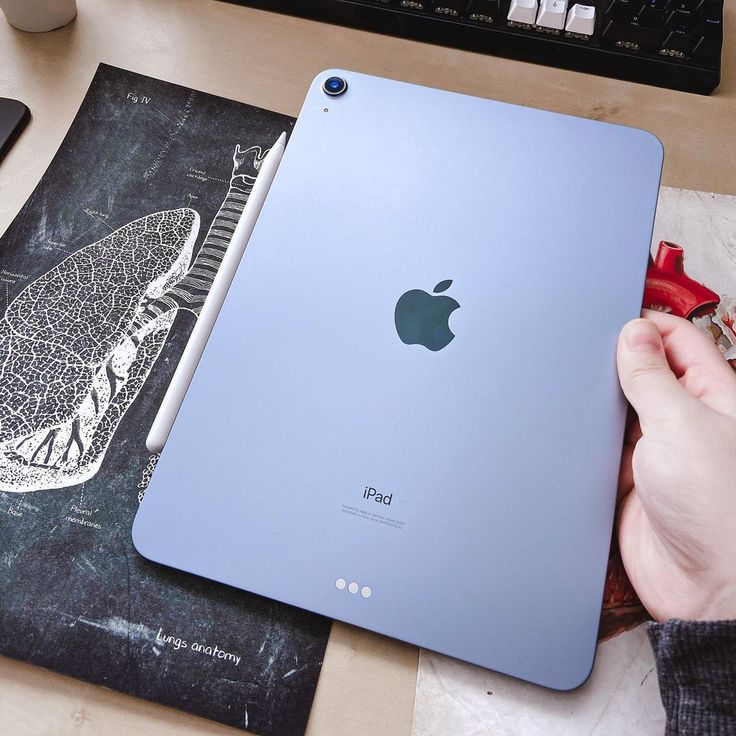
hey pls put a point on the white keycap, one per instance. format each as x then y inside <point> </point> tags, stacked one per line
<point>552,14</point>
<point>581,19</point>
<point>523,11</point>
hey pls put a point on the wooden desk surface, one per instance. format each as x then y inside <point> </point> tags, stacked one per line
<point>367,683</point>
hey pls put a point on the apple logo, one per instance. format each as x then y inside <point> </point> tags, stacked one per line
<point>423,319</point>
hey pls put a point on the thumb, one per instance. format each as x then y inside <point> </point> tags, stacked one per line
<point>646,377</point>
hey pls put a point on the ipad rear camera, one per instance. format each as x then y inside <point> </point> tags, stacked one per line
<point>334,86</point>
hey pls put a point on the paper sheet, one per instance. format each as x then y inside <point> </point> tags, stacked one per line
<point>102,275</point>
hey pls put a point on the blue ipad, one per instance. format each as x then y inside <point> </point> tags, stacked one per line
<point>407,416</point>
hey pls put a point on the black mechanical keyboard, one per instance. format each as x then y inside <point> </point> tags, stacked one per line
<point>668,43</point>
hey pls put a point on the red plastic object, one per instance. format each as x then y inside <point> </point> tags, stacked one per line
<point>670,289</point>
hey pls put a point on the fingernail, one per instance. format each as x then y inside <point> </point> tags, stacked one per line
<point>642,335</point>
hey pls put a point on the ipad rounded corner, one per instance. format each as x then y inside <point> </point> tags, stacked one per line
<point>655,141</point>
<point>25,112</point>
<point>578,678</point>
<point>139,539</point>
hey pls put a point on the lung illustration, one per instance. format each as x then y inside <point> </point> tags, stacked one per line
<point>79,342</point>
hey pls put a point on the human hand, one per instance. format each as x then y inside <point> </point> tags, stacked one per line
<point>677,486</point>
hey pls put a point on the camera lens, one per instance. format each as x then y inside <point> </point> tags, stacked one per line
<point>334,86</point>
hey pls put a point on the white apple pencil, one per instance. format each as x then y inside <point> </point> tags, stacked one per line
<point>169,408</point>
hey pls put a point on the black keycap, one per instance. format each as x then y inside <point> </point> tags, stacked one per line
<point>631,36</point>
<point>622,11</point>
<point>619,6</point>
<point>685,6</point>
<point>711,19</point>
<point>707,50</point>
<point>677,44</point>
<point>710,30</point>
<point>682,20</point>
<point>657,4</point>
<point>652,17</point>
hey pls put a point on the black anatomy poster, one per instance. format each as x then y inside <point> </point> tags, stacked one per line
<point>102,276</point>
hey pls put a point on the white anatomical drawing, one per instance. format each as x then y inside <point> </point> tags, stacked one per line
<point>79,342</point>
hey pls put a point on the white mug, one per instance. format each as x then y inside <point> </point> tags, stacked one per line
<point>38,15</point>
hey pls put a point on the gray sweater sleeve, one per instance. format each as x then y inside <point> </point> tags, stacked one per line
<point>696,665</point>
